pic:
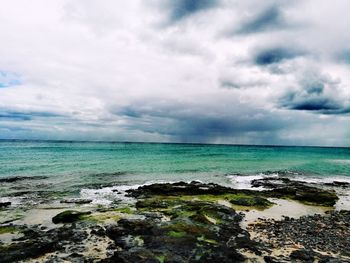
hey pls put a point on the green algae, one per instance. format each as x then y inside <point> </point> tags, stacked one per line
<point>160,258</point>
<point>206,240</point>
<point>124,210</point>
<point>239,201</point>
<point>251,201</point>
<point>8,229</point>
<point>176,234</point>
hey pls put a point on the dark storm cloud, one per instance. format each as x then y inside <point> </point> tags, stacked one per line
<point>269,19</point>
<point>180,9</point>
<point>197,123</point>
<point>315,104</point>
<point>312,97</point>
<point>25,116</point>
<point>274,55</point>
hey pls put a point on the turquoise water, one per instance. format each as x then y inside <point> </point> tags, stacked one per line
<point>72,166</point>
<point>75,158</point>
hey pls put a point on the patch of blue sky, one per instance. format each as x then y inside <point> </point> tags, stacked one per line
<point>9,79</point>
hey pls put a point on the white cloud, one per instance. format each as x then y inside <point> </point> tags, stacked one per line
<point>89,61</point>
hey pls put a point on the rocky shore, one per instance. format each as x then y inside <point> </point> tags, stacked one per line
<point>187,222</point>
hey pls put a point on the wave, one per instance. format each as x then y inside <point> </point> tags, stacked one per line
<point>243,181</point>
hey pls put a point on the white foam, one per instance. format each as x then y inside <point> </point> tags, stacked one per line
<point>340,161</point>
<point>323,179</point>
<point>107,195</point>
<point>244,181</point>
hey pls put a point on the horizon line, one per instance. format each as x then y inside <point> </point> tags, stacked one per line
<point>155,142</point>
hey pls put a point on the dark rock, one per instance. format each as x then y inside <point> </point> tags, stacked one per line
<point>4,204</point>
<point>280,188</point>
<point>13,179</point>
<point>76,201</point>
<point>36,242</point>
<point>338,184</point>
<point>303,255</point>
<point>69,216</point>
<point>329,233</point>
<point>252,201</point>
<point>270,182</point>
<point>286,188</point>
<point>270,259</point>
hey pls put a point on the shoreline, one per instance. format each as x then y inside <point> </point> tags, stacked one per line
<point>153,221</point>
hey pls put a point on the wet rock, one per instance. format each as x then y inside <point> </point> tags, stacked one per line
<point>23,250</point>
<point>251,201</point>
<point>69,216</point>
<point>13,179</point>
<point>76,201</point>
<point>279,188</point>
<point>4,204</point>
<point>338,184</point>
<point>303,255</point>
<point>270,259</point>
<point>286,188</point>
<point>182,188</point>
<point>197,231</point>
<point>36,242</point>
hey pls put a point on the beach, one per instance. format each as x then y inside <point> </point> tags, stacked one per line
<point>122,202</point>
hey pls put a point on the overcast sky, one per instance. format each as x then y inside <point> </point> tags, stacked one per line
<point>212,71</point>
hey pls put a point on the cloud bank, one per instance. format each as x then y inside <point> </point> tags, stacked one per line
<point>207,71</point>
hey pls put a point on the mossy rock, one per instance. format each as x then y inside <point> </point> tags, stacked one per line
<point>8,229</point>
<point>317,197</point>
<point>177,234</point>
<point>252,201</point>
<point>69,216</point>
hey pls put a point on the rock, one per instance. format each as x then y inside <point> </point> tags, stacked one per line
<point>182,188</point>
<point>303,255</point>
<point>76,201</point>
<point>35,243</point>
<point>251,201</point>
<point>316,196</point>
<point>4,204</point>
<point>69,216</point>
<point>270,182</point>
<point>270,259</point>
<point>279,188</point>
<point>338,184</point>
<point>329,232</point>
<point>13,179</point>
<point>297,190</point>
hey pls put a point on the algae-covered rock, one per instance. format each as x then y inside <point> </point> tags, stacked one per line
<point>69,216</point>
<point>278,188</point>
<point>8,229</point>
<point>255,201</point>
<point>36,242</point>
<point>296,190</point>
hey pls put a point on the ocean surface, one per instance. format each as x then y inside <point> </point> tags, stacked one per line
<point>97,169</point>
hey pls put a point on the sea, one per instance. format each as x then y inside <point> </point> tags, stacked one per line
<point>38,171</point>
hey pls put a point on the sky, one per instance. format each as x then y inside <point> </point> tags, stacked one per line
<point>202,71</point>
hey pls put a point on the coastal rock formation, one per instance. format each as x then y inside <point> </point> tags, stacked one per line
<point>296,190</point>
<point>69,216</point>
<point>185,222</point>
<point>277,188</point>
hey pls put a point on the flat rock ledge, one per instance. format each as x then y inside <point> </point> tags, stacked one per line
<point>186,222</point>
